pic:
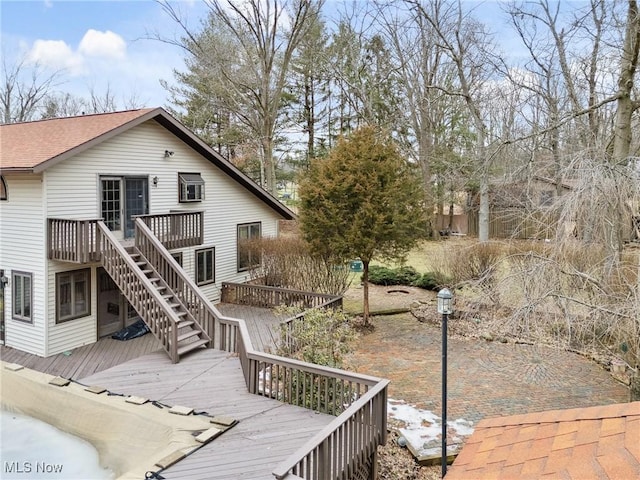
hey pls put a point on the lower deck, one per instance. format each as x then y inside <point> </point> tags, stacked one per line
<point>211,380</point>
<point>206,380</point>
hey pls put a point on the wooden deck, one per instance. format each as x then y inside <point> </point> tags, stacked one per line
<point>262,323</point>
<point>106,353</point>
<point>206,380</point>
<point>84,361</point>
<point>211,380</point>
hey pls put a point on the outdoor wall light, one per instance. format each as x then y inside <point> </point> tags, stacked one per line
<point>445,307</point>
<point>155,181</point>
<point>168,153</point>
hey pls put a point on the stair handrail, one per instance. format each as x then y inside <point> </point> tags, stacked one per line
<point>136,296</point>
<point>185,289</point>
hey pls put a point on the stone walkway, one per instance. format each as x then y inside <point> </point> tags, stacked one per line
<point>485,379</point>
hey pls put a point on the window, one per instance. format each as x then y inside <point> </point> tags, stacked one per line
<point>247,257</point>
<point>73,297</point>
<point>191,187</point>
<point>22,296</point>
<point>205,266</point>
<point>177,256</point>
<point>3,188</point>
<point>110,202</point>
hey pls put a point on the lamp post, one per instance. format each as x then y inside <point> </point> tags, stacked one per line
<point>445,307</point>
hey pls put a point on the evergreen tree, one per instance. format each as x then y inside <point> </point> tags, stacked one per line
<point>364,200</point>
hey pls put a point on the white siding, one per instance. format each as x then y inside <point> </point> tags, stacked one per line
<point>73,189</point>
<point>22,248</point>
<point>73,333</point>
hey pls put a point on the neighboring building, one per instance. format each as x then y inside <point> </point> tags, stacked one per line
<point>71,191</point>
<point>519,209</point>
<point>578,443</point>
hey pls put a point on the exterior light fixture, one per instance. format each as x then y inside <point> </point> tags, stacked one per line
<point>155,181</point>
<point>445,301</point>
<point>168,153</point>
<point>445,307</point>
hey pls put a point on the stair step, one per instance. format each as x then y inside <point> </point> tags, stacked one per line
<point>191,346</point>
<point>189,334</point>
<point>186,323</point>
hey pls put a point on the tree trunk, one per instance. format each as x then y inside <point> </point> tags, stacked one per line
<point>483,213</point>
<point>629,61</point>
<point>365,289</point>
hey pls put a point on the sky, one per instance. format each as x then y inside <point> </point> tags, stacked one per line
<point>96,45</point>
<point>104,45</point>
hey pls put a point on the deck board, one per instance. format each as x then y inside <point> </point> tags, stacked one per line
<point>210,380</point>
<point>84,361</point>
<point>262,324</point>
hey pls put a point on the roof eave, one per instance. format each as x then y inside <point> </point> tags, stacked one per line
<point>5,170</point>
<point>96,140</point>
<point>225,165</point>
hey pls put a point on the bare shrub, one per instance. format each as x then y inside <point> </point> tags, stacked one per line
<point>571,295</point>
<point>477,266</point>
<point>287,262</point>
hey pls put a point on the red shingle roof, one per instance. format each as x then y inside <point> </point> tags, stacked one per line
<point>29,145</point>
<point>580,443</point>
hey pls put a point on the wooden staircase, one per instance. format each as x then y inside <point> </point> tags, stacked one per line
<point>190,336</point>
<point>161,307</point>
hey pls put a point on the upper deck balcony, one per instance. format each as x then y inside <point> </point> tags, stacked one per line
<point>75,240</point>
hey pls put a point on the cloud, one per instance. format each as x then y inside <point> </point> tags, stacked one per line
<point>55,54</point>
<point>95,48</point>
<point>103,44</point>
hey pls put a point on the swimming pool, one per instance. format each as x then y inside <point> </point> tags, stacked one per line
<point>130,439</point>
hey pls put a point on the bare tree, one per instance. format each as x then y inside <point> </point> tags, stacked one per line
<point>266,34</point>
<point>468,47</point>
<point>622,135</point>
<point>23,89</point>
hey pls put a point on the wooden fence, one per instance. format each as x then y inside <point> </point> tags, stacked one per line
<point>515,223</point>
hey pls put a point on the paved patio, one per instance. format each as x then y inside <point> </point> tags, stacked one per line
<point>485,379</point>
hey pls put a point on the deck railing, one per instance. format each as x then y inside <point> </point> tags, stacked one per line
<point>176,229</point>
<point>139,291</point>
<point>348,444</point>
<point>72,240</point>
<point>271,297</point>
<point>175,277</point>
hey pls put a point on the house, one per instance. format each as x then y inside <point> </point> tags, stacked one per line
<point>580,443</point>
<point>104,218</point>
<point>519,209</point>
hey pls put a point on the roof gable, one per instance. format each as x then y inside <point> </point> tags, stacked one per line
<point>36,146</point>
<point>32,146</point>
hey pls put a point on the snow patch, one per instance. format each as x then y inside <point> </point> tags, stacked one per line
<point>422,429</point>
